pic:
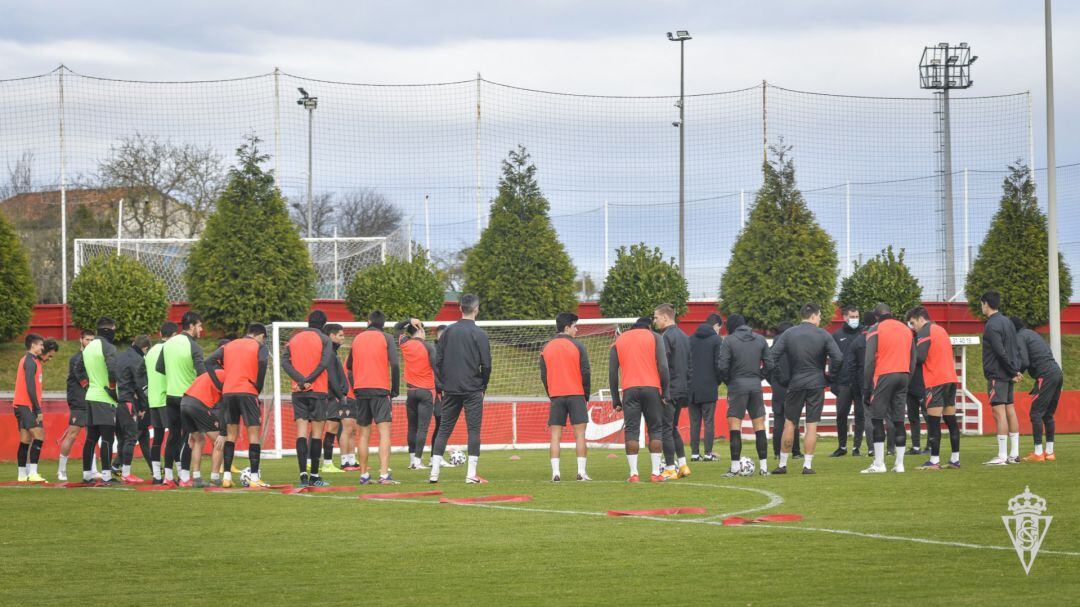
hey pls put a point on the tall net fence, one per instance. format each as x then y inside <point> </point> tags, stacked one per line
<point>870,168</point>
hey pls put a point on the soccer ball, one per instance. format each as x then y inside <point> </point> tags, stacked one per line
<point>457,457</point>
<point>245,477</point>
<point>746,466</point>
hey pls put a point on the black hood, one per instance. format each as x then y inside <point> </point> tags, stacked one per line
<point>743,333</point>
<point>704,330</point>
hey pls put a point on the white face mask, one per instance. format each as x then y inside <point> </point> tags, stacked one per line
<point>853,323</point>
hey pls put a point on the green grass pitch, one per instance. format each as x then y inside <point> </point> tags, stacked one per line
<point>912,539</point>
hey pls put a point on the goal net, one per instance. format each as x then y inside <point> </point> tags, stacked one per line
<point>515,407</point>
<point>336,260</point>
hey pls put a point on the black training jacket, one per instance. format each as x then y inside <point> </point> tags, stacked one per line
<point>463,358</point>
<point>1036,357</point>
<point>131,378</point>
<point>845,338</point>
<point>1001,358</point>
<point>744,360</point>
<point>807,347</point>
<point>705,360</point>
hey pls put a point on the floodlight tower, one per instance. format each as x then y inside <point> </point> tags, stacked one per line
<point>681,36</point>
<point>309,103</point>
<point>942,68</point>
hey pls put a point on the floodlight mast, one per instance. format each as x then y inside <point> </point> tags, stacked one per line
<point>944,67</point>
<point>309,103</point>
<point>681,36</point>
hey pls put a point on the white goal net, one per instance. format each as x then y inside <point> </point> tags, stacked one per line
<point>336,260</point>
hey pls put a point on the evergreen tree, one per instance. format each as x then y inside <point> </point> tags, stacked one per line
<point>519,269</point>
<point>1013,258</point>
<point>885,278</point>
<point>400,288</point>
<point>250,264</point>
<point>122,288</point>
<point>16,284</point>
<point>640,280</point>
<point>782,258</point>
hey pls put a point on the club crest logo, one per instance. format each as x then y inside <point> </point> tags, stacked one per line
<point>1027,526</point>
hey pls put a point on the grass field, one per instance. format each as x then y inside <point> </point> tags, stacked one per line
<point>913,539</point>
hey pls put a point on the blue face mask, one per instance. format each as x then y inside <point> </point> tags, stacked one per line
<point>853,323</point>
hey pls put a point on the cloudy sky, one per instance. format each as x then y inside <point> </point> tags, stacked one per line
<point>606,47</point>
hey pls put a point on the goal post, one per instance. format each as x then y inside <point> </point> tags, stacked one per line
<point>515,406</point>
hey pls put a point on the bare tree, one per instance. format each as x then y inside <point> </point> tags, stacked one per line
<point>323,215</point>
<point>366,212</point>
<point>450,266</point>
<point>169,185</point>
<point>20,175</point>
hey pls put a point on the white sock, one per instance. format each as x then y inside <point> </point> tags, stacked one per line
<point>1014,444</point>
<point>215,476</point>
<point>1049,447</point>
<point>763,464</point>
<point>327,463</point>
<point>900,451</point>
<point>631,459</point>
<point>581,465</point>
<point>681,462</point>
<point>473,460</point>
<point>1038,449</point>
<point>196,474</point>
<point>87,476</point>
<point>93,466</point>
<point>879,455</point>
<point>22,472</point>
<point>655,457</point>
<point>125,470</point>
<point>735,465</point>
<point>954,457</point>
<point>168,474</point>
<point>62,467</point>
<point>228,475</point>
<point>1003,445</point>
<point>554,467</point>
<point>935,459</point>
<point>808,461</point>
<point>254,476</point>
<point>436,463</point>
<point>185,475</point>
<point>155,468</point>
<point>783,459</point>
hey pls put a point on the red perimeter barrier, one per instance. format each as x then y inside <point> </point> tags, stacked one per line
<point>48,319</point>
<point>519,423</point>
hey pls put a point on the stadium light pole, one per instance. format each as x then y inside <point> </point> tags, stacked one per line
<point>944,67</point>
<point>309,103</point>
<point>1051,194</point>
<point>681,36</point>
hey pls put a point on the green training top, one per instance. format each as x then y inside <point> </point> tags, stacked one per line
<point>179,364</point>
<point>98,357</point>
<point>155,382</point>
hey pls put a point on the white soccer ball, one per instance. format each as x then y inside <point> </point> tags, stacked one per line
<point>245,477</point>
<point>457,457</point>
<point>746,466</point>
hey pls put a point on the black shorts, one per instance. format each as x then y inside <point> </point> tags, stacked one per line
<point>332,409</point>
<point>1001,392</point>
<point>638,402</point>
<point>573,407</point>
<point>347,408</point>
<point>741,403</point>
<point>100,414</point>
<point>309,406</point>
<point>796,398</point>
<point>241,406</point>
<point>373,409</point>
<point>196,417</point>
<point>941,396</point>
<point>77,414</point>
<point>158,417</point>
<point>25,417</point>
<point>888,400</point>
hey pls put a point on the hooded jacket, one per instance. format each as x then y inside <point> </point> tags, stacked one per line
<point>744,360</point>
<point>680,365</point>
<point>705,358</point>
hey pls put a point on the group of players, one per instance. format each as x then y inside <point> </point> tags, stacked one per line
<point>876,364</point>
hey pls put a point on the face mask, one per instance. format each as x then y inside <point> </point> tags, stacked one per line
<point>853,323</point>
<point>107,334</point>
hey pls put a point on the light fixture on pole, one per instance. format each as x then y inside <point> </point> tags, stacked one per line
<point>681,36</point>
<point>309,103</point>
<point>944,67</point>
